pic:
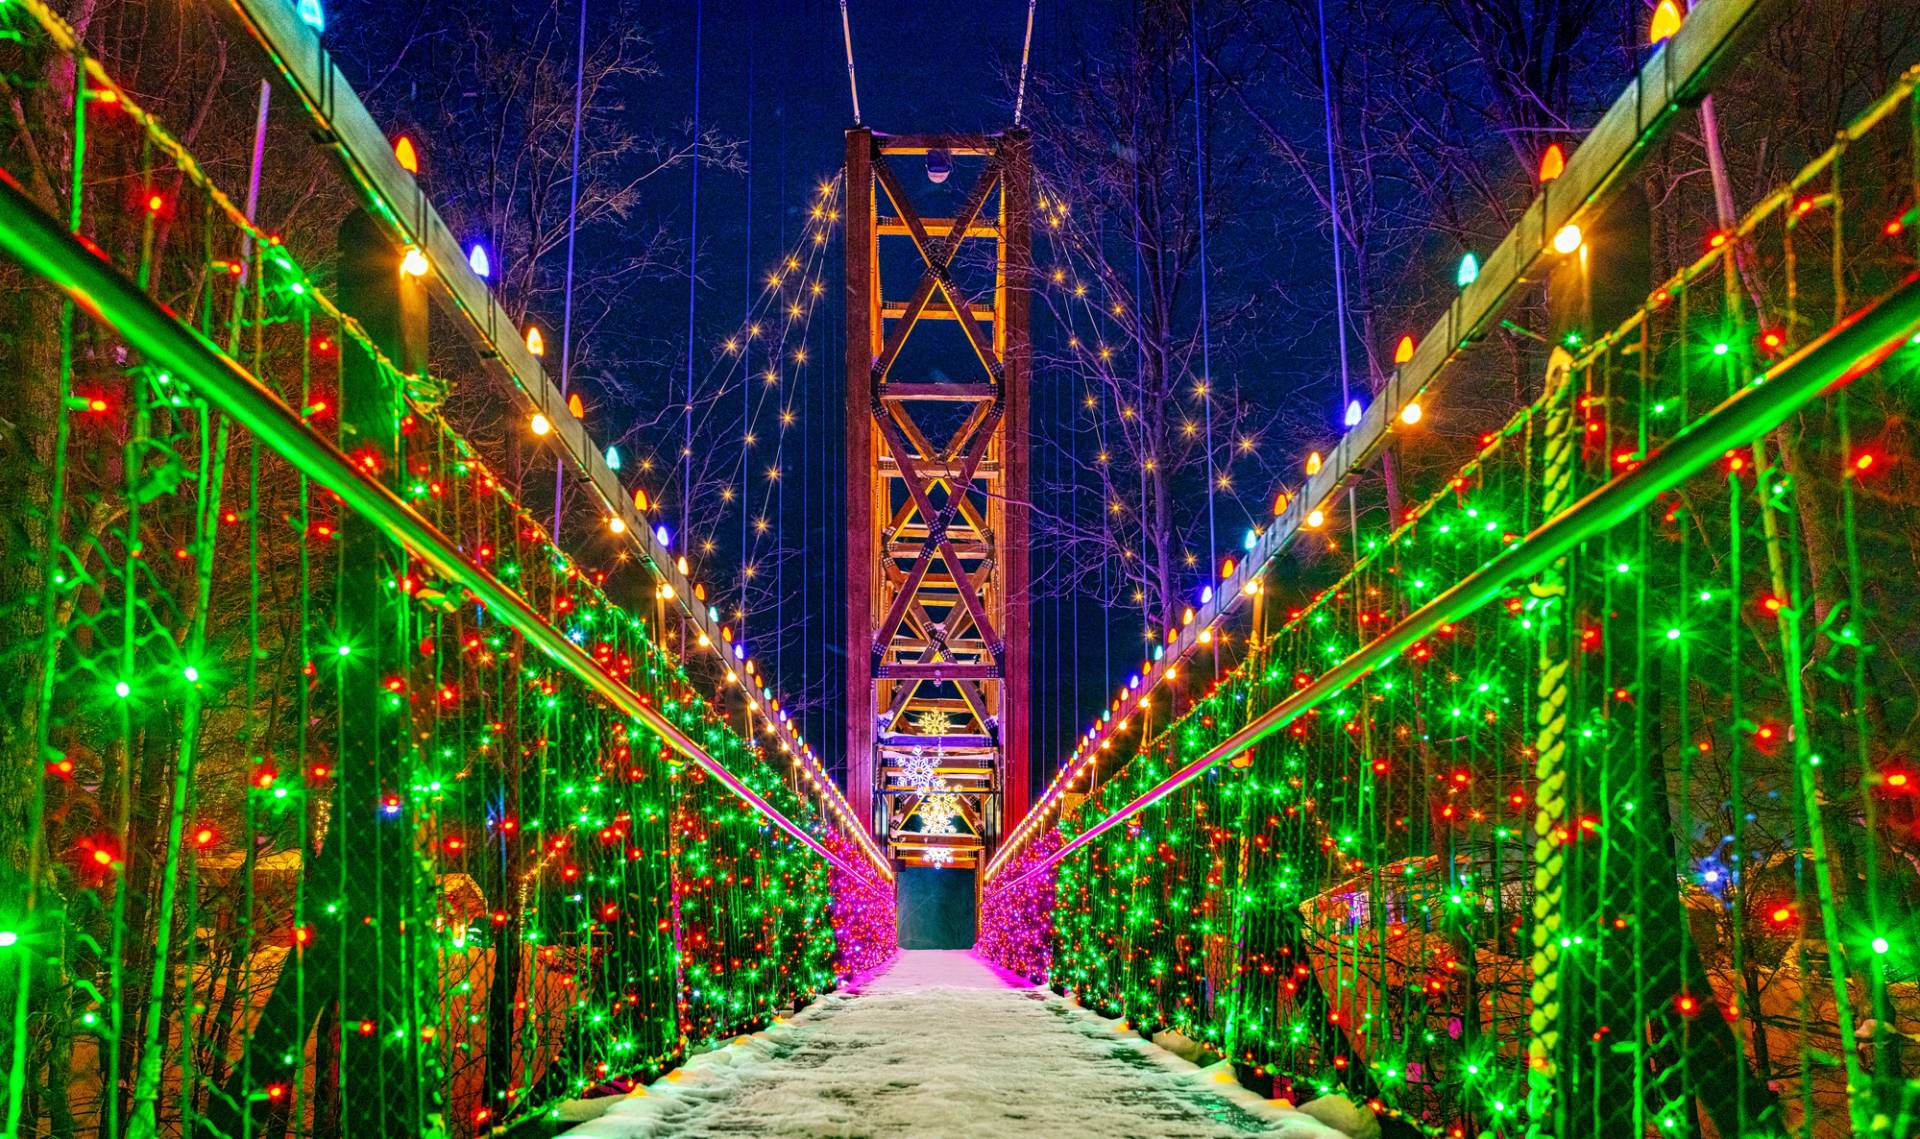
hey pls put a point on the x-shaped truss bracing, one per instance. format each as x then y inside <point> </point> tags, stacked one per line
<point>937,499</point>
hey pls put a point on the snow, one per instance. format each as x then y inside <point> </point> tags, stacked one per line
<point>945,1044</point>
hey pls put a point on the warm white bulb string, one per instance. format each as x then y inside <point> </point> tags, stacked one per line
<point>733,362</point>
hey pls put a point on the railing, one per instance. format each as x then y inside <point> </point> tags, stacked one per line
<point>344,800</point>
<point>1584,803</point>
<point>1677,76</point>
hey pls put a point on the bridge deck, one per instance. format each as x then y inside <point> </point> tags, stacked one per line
<point>943,1042</point>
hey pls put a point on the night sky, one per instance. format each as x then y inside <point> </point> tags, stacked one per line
<point>773,77</point>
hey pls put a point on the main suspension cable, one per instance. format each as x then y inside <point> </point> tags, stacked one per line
<point>853,84</point>
<point>1026,53</point>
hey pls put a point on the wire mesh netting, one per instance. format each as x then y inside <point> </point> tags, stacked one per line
<point>1632,847</point>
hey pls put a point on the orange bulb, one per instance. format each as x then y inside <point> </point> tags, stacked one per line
<point>1552,164</point>
<point>1403,351</point>
<point>1666,21</point>
<point>406,155</point>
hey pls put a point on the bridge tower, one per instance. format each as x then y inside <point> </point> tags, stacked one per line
<point>937,507</point>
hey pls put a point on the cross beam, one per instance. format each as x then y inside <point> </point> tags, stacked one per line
<point>937,531</point>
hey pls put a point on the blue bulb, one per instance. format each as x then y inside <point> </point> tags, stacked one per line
<point>1353,414</point>
<point>478,262</point>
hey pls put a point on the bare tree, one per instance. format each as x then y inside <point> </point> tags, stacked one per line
<point>1124,196</point>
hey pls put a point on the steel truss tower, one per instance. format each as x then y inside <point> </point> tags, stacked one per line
<point>937,507</point>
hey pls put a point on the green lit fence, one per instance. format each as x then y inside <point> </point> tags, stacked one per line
<point>340,799</point>
<point>1584,802</point>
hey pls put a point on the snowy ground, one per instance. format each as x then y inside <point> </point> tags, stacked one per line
<point>944,1044</point>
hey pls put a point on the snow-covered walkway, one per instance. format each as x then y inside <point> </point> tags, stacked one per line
<point>944,1044</point>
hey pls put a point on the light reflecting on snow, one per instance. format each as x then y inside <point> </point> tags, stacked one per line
<point>944,1044</point>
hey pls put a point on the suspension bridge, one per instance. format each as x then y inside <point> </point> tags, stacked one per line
<point>1567,792</point>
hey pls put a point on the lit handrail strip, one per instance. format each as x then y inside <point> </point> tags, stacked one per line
<point>398,202</point>
<point>45,248</point>
<point>1848,350</point>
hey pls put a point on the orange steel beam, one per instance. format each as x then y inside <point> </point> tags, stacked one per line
<point>937,534</point>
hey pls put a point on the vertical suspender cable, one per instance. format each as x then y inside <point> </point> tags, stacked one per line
<point>1333,204</point>
<point>1026,53</point>
<point>1206,338</point>
<point>573,211</point>
<point>746,347</point>
<point>693,284</point>
<point>853,85</point>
